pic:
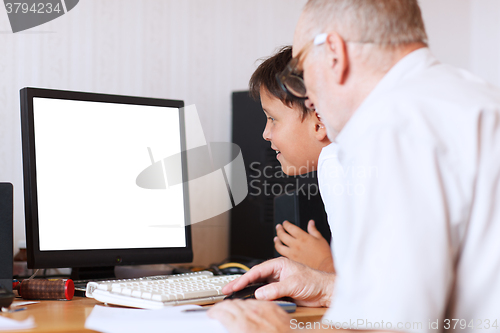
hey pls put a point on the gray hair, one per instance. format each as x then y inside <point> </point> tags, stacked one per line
<point>382,22</point>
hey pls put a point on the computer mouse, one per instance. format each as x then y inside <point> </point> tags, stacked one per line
<point>246,293</point>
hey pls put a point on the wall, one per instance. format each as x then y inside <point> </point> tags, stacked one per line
<point>195,50</point>
<point>465,33</point>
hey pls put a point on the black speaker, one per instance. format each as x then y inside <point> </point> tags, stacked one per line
<point>252,226</point>
<point>300,206</point>
<point>6,234</point>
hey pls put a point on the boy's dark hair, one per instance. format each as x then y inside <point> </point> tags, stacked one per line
<point>265,77</point>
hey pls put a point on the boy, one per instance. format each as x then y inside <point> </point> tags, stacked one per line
<point>298,136</point>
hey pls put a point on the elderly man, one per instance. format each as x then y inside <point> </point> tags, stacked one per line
<point>415,208</point>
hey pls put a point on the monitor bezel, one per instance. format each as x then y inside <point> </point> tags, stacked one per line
<point>99,257</point>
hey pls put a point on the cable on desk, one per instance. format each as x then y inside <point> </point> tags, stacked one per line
<point>234,264</point>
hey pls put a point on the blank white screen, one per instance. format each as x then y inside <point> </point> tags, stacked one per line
<point>88,156</point>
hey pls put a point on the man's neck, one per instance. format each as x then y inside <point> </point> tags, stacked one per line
<point>403,51</point>
<point>372,74</point>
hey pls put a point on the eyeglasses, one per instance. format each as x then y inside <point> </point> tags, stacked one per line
<point>291,79</point>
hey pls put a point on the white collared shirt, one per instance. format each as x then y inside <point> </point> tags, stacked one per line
<point>411,187</point>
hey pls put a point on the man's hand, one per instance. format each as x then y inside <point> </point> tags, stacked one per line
<point>309,248</point>
<point>251,316</point>
<point>307,286</point>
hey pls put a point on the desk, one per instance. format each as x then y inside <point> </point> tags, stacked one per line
<point>69,316</point>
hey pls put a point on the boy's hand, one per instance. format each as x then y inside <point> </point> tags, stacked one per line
<point>310,249</point>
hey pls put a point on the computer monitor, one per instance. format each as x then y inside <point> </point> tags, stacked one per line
<point>82,156</point>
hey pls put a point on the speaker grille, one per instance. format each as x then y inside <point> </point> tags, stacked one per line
<point>6,221</point>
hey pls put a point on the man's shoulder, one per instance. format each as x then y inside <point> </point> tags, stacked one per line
<point>441,98</point>
<point>438,107</point>
<point>444,88</point>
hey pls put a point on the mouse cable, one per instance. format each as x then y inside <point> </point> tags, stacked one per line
<point>234,264</point>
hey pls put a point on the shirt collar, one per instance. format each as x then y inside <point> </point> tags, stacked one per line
<point>407,67</point>
<point>328,152</point>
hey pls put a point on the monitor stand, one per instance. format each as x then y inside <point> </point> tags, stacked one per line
<point>93,273</point>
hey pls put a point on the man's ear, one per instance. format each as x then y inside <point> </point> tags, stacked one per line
<point>337,55</point>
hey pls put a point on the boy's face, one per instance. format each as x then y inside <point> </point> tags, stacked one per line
<point>297,142</point>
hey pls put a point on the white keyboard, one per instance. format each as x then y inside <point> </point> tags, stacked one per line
<point>155,292</point>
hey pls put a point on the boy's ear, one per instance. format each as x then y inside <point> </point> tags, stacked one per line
<point>319,127</point>
<point>321,132</point>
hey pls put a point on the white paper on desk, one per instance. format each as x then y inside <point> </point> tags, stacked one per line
<point>7,324</point>
<point>21,303</point>
<point>169,319</point>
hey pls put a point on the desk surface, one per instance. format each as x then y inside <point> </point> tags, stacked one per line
<point>69,316</point>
